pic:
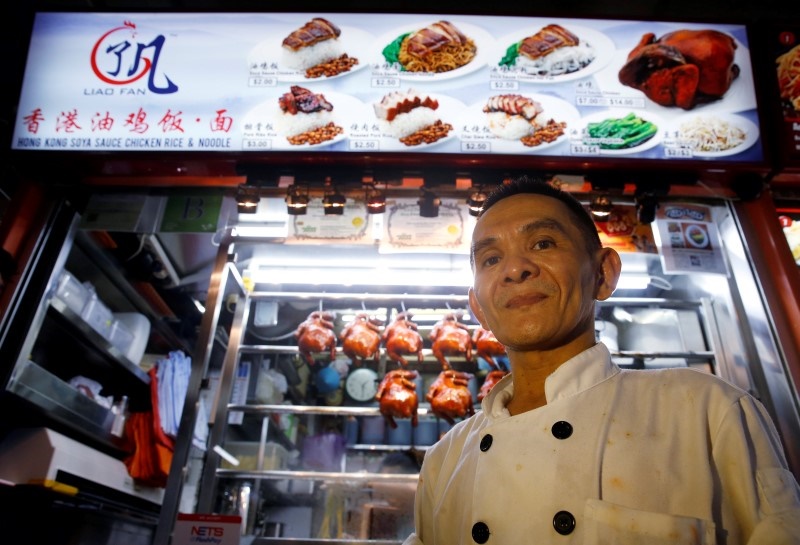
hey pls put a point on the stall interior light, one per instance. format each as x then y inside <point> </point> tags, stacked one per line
<point>476,201</point>
<point>601,208</point>
<point>247,197</point>
<point>296,200</point>
<point>333,202</point>
<point>376,200</point>
<point>429,203</point>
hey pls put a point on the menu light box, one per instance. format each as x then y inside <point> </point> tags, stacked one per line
<point>491,85</point>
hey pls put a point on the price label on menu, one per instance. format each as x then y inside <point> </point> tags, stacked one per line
<point>385,83</point>
<point>504,85</point>
<point>257,143</point>
<point>261,81</point>
<point>364,145</point>
<point>678,153</point>
<point>584,149</point>
<point>591,100</point>
<point>476,147</point>
<point>628,102</point>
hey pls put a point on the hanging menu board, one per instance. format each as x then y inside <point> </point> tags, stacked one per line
<point>786,50</point>
<point>373,83</point>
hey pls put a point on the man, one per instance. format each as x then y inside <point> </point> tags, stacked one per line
<point>571,449</point>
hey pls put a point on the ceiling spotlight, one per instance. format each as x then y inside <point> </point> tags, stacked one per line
<point>646,206</point>
<point>376,200</point>
<point>475,202</point>
<point>429,204</point>
<point>333,202</point>
<point>296,200</point>
<point>247,198</point>
<point>601,208</point>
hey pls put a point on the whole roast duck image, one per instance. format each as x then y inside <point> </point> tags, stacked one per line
<point>449,337</point>
<point>397,396</point>
<point>315,334</point>
<point>682,68</point>
<point>361,339</point>
<point>449,395</point>
<point>402,338</point>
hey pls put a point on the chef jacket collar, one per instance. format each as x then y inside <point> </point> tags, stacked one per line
<point>575,375</point>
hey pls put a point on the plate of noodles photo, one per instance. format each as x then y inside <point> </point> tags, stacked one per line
<point>317,50</point>
<point>553,53</point>
<point>436,50</point>
<point>714,134</point>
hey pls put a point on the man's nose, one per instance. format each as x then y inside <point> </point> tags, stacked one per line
<point>519,269</point>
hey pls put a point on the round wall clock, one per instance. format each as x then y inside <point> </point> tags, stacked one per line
<point>362,384</point>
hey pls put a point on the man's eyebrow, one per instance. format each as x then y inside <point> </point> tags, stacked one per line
<point>537,225</point>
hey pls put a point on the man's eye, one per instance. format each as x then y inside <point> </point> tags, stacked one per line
<point>543,244</point>
<point>489,261</point>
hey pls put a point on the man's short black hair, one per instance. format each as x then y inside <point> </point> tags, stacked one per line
<point>538,186</point>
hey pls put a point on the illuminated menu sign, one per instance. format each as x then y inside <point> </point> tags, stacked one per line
<point>373,83</point>
<point>786,50</point>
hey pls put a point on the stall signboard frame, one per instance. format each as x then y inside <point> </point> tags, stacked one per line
<point>213,82</point>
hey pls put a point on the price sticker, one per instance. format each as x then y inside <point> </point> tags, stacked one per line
<point>628,102</point>
<point>584,149</point>
<point>591,100</point>
<point>262,81</point>
<point>257,144</point>
<point>476,147</point>
<point>385,83</point>
<point>364,145</point>
<point>678,153</point>
<point>503,85</point>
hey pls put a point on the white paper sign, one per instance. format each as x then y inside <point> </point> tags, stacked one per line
<point>688,240</point>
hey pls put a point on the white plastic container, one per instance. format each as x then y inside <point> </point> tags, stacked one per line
<point>275,456</point>
<point>98,316</point>
<point>139,328</point>
<point>121,337</point>
<point>74,294</point>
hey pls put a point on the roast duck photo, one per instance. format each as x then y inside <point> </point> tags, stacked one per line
<point>684,68</point>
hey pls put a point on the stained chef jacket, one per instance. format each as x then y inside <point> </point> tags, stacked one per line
<point>622,457</point>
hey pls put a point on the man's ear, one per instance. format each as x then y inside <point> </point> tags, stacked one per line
<point>476,309</point>
<point>608,271</point>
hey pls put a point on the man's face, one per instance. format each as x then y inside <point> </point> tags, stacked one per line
<point>534,281</point>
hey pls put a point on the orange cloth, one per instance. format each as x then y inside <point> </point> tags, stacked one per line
<point>152,448</point>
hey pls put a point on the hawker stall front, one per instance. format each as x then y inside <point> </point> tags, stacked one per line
<point>254,228</point>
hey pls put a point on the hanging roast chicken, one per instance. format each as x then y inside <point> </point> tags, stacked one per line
<point>316,334</point>
<point>361,338</point>
<point>449,337</point>
<point>402,338</point>
<point>487,346</point>
<point>397,396</point>
<point>682,68</point>
<point>492,378</point>
<point>449,396</point>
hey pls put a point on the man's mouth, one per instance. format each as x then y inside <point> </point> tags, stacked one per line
<point>525,300</point>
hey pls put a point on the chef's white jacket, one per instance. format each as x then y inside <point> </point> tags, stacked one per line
<point>620,457</point>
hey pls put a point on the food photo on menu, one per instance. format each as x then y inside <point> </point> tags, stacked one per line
<point>551,51</point>
<point>316,50</point>
<point>411,118</point>
<point>306,117</point>
<point>438,47</point>
<point>518,117</point>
